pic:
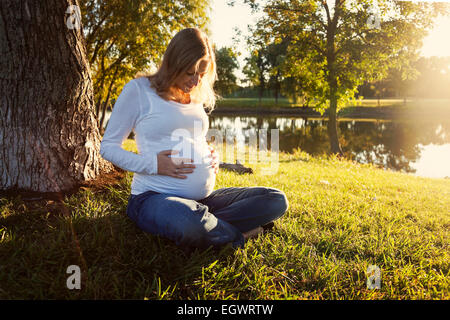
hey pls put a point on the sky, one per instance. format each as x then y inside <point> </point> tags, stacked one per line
<point>225,18</point>
<point>223,21</point>
<point>436,43</point>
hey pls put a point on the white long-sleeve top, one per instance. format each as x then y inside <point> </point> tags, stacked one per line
<point>159,125</point>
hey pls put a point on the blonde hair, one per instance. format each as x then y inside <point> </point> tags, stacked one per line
<point>184,51</point>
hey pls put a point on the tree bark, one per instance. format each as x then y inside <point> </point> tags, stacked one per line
<point>335,147</point>
<point>106,103</point>
<point>277,86</point>
<point>261,78</point>
<point>332,127</point>
<point>49,139</point>
<point>332,82</point>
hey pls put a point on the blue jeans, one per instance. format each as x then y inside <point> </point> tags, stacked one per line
<point>216,220</point>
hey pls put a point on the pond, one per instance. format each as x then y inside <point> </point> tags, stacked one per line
<point>419,147</point>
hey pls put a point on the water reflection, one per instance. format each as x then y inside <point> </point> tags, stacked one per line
<point>396,145</point>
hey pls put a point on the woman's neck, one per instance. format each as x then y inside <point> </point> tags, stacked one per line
<point>182,97</point>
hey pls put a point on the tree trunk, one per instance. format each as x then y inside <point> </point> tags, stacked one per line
<point>102,117</point>
<point>335,148</point>
<point>333,84</point>
<point>261,77</point>
<point>332,127</point>
<point>49,139</point>
<point>260,93</point>
<point>106,103</point>
<point>277,86</point>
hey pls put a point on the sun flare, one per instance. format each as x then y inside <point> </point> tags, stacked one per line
<point>436,43</point>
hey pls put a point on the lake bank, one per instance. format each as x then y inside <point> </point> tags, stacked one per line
<point>389,109</point>
<point>349,112</point>
<point>420,145</point>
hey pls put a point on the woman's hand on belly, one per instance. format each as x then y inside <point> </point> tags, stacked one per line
<point>174,167</point>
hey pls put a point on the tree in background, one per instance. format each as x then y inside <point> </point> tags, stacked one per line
<point>427,77</point>
<point>276,55</point>
<point>302,79</point>
<point>264,66</point>
<point>256,68</point>
<point>433,80</point>
<point>347,42</point>
<point>227,63</point>
<point>124,37</point>
<point>255,71</point>
<point>399,77</point>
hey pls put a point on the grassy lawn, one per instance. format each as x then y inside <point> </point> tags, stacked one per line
<point>366,103</point>
<point>254,102</point>
<point>342,218</point>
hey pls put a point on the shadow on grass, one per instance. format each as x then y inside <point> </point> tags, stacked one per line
<point>117,260</point>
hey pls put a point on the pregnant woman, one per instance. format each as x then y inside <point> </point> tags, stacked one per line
<point>172,192</point>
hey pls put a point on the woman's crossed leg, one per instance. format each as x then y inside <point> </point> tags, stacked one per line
<point>216,220</point>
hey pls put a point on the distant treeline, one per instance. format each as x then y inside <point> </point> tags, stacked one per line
<point>431,80</point>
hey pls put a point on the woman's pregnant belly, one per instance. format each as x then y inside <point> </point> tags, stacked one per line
<point>198,184</point>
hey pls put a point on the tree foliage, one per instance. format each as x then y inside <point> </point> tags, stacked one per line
<point>227,63</point>
<point>256,68</point>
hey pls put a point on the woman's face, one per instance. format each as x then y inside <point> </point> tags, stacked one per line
<point>190,79</point>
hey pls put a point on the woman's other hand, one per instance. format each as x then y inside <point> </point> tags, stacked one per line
<point>174,167</point>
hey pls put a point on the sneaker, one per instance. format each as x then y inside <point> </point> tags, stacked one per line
<point>253,233</point>
<point>268,226</point>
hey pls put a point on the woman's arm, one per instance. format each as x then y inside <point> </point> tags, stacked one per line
<point>123,119</point>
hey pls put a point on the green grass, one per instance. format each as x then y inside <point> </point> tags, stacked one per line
<point>342,218</point>
<point>254,102</point>
<point>366,103</point>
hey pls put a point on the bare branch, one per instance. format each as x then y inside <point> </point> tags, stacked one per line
<point>327,10</point>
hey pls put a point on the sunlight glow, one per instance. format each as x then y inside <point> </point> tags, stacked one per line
<point>224,21</point>
<point>436,43</point>
<point>434,161</point>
